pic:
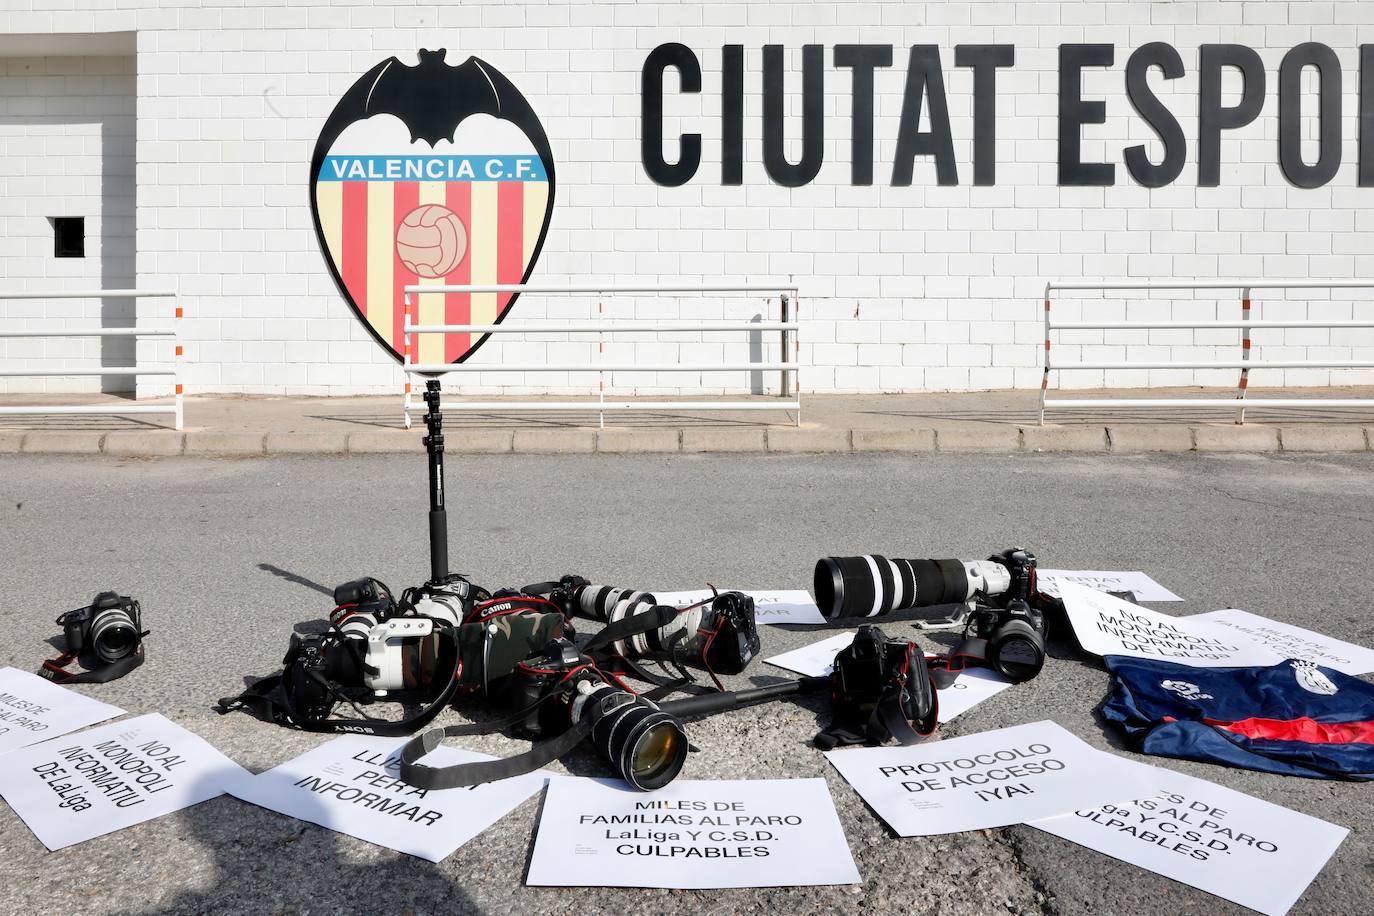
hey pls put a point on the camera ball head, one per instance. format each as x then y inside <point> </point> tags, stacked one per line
<point>438,517</point>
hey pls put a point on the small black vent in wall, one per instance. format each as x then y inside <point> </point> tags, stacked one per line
<point>69,236</point>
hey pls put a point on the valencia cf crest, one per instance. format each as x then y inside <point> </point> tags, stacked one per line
<point>436,175</point>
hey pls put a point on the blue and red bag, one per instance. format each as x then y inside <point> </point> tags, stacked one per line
<point>1294,718</point>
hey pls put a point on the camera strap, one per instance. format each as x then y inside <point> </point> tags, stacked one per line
<point>601,646</point>
<point>464,775</point>
<point>55,669</point>
<point>269,700</point>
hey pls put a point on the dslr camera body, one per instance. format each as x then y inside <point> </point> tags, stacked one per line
<point>1009,639</point>
<point>108,631</point>
<point>111,627</point>
<point>881,690</point>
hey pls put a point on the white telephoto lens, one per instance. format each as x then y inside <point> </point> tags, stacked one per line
<point>442,607</point>
<point>386,643</point>
<point>676,632</point>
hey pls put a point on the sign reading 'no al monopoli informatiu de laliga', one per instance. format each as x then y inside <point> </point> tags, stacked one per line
<point>431,175</point>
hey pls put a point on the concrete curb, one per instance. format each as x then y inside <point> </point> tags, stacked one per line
<point>781,440</point>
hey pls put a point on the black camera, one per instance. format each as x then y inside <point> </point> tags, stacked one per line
<point>728,633</point>
<point>881,690</point>
<point>363,592</point>
<point>563,689</point>
<point>111,626</point>
<point>108,631</point>
<point>319,671</point>
<point>1010,639</point>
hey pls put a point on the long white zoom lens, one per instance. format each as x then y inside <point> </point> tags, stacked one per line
<point>621,646</point>
<point>986,578</point>
<point>598,601</point>
<point>630,605</point>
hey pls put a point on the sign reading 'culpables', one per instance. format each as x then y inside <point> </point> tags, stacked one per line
<point>435,175</point>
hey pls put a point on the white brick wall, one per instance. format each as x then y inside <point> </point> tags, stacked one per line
<point>66,149</point>
<point>922,287</point>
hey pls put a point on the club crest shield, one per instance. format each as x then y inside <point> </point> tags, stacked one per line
<point>433,175</point>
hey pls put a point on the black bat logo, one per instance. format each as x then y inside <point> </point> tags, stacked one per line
<point>431,99</point>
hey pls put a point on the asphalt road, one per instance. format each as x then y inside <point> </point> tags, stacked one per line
<point>223,554</point>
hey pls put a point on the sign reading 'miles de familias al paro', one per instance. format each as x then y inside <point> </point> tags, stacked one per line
<point>33,709</point>
<point>690,834</point>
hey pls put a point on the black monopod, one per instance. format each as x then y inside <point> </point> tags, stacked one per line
<point>438,517</point>
<point>708,703</point>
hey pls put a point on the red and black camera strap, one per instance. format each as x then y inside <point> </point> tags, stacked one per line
<point>55,669</point>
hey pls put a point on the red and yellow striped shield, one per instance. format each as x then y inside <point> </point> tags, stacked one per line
<point>362,220</point>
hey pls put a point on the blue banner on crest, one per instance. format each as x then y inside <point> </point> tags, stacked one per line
<point>433,168</point>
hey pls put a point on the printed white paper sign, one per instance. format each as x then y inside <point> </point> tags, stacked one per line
<point>690,834</point>
<point>776,606</point>
<point>33,709</point>
<point>1213,838</point>
<point>83,786</point>
<point>350,785</point>
<point>1137,583</point>
<point>814,660</point>
<point>973,686</point>
<point>1288,641</point>
<point>1106,625</point>
<point>990,779</point>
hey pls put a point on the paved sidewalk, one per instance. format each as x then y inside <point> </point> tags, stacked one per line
<point>994,421</point>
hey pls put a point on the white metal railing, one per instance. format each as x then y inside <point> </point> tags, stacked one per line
<point>171,332</point>
<point>789,397</point>
<point>1244,363</point>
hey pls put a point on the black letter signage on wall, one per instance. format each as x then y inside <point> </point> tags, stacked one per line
<point>813,116</point>
<point>863,59</point>
<point>1212,119</point>
<point>1150,71</point>
<point>651,115</point>
<point>1328,67</point>
<point>923,77</point>
<point>984,59</point>
<point>1074,112</point>
<point>1152,110</point>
